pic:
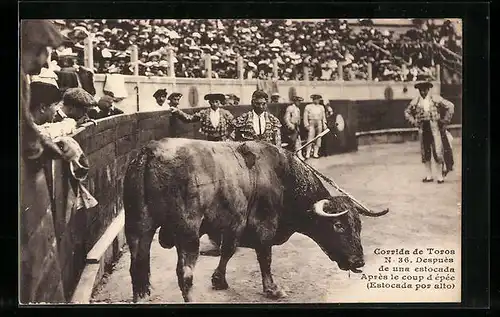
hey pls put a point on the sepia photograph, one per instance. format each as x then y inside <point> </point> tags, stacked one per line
<point>240,161</point>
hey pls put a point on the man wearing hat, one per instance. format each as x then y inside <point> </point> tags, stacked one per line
<point>174,99</point>
<point>105,108</point>
<point>315,123</point>
<point>292,123</point>
<point>44,102</point>
<point>258,124</point>
<point>161,96</point>
<point>36,36</point>
<point>275,97</point>
<point>215,122</point>
<point>76,103</point>
<point>430,114</point>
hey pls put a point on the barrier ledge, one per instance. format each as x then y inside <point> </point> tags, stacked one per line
<point>103,253</point>
<point>398,135</point>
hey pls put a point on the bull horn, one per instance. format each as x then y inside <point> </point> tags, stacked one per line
<point>318,209</point>
<point>371,213</point>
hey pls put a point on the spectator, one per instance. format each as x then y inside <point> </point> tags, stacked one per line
<point>105,108</point>
<point>290,43</point>
<point>76,103</point>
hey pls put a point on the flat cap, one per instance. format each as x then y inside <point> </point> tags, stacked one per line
<point>105,102</point>
<point>40,33</point>
<point>78,97</point>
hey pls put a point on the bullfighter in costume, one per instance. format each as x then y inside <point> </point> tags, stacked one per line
<point>258,124</point>
<point>215,122</point>
<point>430,114</point>
<point>315,123</point>
<point>174,99</point>
<point>161,96</point>
<point>292,123</point>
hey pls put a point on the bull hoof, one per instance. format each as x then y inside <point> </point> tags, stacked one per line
<point>275,293</point>
<point>142,298</point>
<point>219,281</point>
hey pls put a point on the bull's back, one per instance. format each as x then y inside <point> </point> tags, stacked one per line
<point>189,176</point>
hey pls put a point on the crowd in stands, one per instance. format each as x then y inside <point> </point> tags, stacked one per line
<point>321,46</point>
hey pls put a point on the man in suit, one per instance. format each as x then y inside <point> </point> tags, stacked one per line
<point>215,122</point>
<point>258,123</point>
<point>292,124</point>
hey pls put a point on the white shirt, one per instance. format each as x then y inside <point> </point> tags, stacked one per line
<point>426,103</point>
<point>256,119</point>
<point>165,105</point>
<point>215,117</point>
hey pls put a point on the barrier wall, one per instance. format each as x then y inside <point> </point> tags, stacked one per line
<point>194,89</point>
<point>56,237</point>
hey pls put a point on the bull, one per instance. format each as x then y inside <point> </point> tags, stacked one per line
<point>251,194</point>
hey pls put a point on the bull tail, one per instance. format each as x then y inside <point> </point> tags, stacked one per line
<point>139,231</point>
<point>134,194</point>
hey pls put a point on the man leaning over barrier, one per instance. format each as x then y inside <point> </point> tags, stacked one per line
<point>215,122</point>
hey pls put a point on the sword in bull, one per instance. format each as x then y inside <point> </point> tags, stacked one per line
<point>331,182</point>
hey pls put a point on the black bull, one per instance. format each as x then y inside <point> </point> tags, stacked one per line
<point>249,194</point>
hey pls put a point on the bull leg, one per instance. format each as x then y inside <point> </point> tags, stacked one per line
<point>228,248</point>
<point>264,256</point>
<point>139,245</point>
<point>187,255</point>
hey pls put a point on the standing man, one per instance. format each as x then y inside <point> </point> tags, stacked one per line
<point>292,123</point>
<point>315,123</point>
<point>161,96</point>
<point>430,114</point>
<point>275,97</point>
<point>215,122</point>
<point>258,124</point>
<point>174,99</point>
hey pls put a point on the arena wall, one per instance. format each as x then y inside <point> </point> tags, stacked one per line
<point>194,89</point>
<point>65,251</point>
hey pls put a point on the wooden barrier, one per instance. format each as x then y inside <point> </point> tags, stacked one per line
<point>56,238</point>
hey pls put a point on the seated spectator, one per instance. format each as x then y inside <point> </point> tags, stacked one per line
<point>293,44</point>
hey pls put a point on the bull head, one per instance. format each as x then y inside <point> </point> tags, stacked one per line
<point>336,228</point>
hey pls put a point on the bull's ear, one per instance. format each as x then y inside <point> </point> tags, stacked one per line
<point>247,155</point>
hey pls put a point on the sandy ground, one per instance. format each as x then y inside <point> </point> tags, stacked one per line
<point>381,176</point>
